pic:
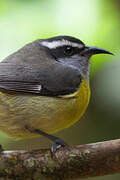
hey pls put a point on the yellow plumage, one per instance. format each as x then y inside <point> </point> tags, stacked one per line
<point>41,112</point>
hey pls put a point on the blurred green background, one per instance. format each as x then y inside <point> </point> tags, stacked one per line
<point>95,22</point>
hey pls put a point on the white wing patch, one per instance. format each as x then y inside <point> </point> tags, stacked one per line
<point>21,86</point>
<point>59,43</point>
<point>39,87</point>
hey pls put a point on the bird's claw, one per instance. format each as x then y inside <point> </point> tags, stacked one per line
<point>58,144</point>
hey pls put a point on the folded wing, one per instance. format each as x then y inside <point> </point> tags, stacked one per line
<point>43,80</point>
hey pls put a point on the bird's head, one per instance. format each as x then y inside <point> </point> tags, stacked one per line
<point>71,52</point>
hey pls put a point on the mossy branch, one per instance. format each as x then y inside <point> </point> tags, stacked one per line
<point>68,163</point>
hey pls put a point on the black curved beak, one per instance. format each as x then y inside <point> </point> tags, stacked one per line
<point>91,50</point>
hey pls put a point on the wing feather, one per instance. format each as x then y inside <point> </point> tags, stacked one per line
<point>46,80</point>
<point>19,86</point>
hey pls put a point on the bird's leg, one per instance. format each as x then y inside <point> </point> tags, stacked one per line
<point>58,142</point>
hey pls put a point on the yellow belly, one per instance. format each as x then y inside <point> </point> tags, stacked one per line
<point>45,113</point>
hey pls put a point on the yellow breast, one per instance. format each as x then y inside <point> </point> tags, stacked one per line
<point>41,112</point>
<point>77,104</point>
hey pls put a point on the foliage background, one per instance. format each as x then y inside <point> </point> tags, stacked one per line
<point>96,22</point>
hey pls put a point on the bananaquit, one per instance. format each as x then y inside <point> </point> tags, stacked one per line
<point>44,87</point>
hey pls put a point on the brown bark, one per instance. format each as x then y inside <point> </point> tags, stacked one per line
<point>68,163</point>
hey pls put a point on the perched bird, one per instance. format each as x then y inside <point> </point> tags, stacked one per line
<point>44,87</point>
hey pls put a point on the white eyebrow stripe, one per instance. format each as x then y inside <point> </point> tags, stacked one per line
<point>59,43</point>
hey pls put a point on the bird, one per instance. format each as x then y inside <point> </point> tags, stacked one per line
<point>44,87</point>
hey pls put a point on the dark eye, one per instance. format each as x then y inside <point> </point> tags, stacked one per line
<point>69,50</point>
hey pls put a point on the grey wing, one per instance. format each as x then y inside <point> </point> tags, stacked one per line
<point>46,80</point>
<point>20,86</point>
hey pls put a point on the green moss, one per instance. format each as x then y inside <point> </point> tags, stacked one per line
<point>44,169</point>
<point>81,156</point>
<point>86,152</point>
<point>30,162</point>
<point>72,155</point>
<point>117,158</point>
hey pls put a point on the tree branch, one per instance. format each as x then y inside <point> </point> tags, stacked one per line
<point>68,163</point>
